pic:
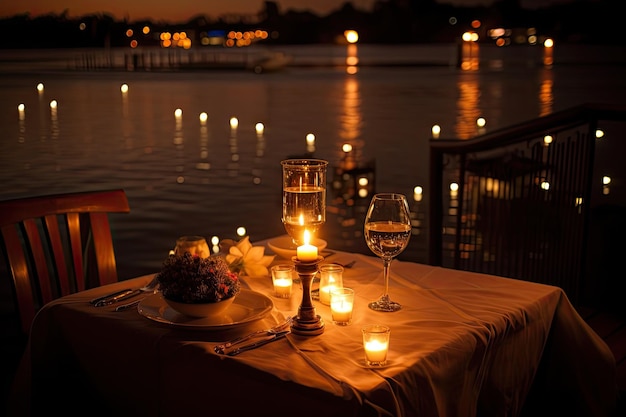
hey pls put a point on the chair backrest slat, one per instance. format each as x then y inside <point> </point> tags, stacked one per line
<point>58,257</point>
<point>58,244</point>
<point>73,230</point>
<point>39,259</point>
<point>103,244</point>
<point>19,270</point>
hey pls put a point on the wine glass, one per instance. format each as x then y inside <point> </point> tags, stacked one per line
<point>304,197</point>
<point>387,233</point>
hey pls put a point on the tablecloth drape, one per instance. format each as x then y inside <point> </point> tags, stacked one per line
<point>464,344</point>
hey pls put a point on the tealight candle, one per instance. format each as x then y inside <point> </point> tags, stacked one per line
<point>376,351</point>
<point>282,277</point>
<point>341,304</point>
<point>376,344</point>
<point>306,252</point>
<point>282,287</point>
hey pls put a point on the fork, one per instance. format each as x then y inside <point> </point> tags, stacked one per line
<point>148,289</point>
<point>278,329</point>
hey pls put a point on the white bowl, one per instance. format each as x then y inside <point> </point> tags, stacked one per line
<point>201,310</point>
<point>284,247</point>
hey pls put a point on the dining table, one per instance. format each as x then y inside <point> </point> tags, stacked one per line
<point>463,344</point>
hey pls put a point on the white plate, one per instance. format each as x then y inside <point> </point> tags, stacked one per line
<point>284,247</point>
<point>248,306</point>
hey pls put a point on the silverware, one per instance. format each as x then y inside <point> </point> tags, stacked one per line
<point>116,297</point>
<point>104,298</point>
<point>279,328</point>
<point>264,341</point>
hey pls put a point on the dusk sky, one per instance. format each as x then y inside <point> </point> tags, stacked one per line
<point>182,10</point>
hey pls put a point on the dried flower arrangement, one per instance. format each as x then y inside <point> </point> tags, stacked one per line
<point>191,279</point>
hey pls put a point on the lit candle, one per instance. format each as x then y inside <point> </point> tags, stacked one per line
<point>376,344</point>
<point>282,287</point>
<point>306,252</point>
<point>342,311</point>
<point>282,276</point>
<point>341,303</point>
<point>376,351</point>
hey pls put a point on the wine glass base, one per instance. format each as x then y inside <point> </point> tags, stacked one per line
<point>384,305</point>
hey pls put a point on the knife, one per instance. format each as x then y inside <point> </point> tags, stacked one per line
<point>118,297</point>
<point>264,341</point>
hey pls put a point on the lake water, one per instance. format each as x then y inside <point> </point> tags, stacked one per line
<point>185,176</point>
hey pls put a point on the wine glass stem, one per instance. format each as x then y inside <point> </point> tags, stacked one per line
<point>386,264</point>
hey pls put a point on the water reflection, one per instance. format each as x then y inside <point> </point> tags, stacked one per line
<point>351,118</point>
<point>352,59</point>
<point>233,165</point>
<point>546,95</point>
<point>468,105</point>
<point>352,180</point>
<point>257,169</point>
<point>203,163</point>
<point>179,149</point>
<point>470,54</point>
<point>21,126</point>
<point>54,121</point>
<point>127,136</point>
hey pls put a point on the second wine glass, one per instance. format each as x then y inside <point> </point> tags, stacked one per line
<point>387,233</point>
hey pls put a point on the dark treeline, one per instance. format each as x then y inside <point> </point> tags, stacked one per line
<point>389,21</point>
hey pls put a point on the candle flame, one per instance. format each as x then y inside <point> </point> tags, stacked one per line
<point>301,219</point>
<point>307,237</point>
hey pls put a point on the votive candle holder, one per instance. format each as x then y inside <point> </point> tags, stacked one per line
<point>282,278</point>
<point>376,344</point>
<point>342,305</point>
<point>331,277</point>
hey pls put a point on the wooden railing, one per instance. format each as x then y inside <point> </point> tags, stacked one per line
<point>522,206</point>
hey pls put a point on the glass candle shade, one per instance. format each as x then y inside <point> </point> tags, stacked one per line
<point>304,197</point>
<point>282,277</point>
<point>376,344</point>
<point>341,305</point>
<point>196,245</point>
<point>331,277</point>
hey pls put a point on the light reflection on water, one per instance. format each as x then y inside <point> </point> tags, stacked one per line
<point>184,176</point>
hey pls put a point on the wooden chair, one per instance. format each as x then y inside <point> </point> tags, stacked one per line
<point>56,245</point>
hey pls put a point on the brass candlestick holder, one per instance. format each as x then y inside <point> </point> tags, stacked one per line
<point>308,322</point>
